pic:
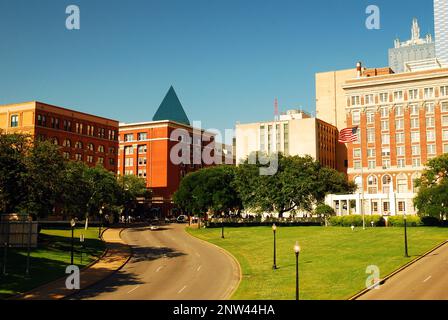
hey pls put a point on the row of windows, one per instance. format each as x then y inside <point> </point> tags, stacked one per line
<point>88,158</point>
<point>398,96</point>
<point>400,151</point>
<point>386,163</point>
<point>401,185</point>
<point>140,136</point>
<point>79,145</point>
<point>129,150</point>
<point>67,126</point>
<point>399,112</point>
<point>400,136</point>
<point>129,162</point>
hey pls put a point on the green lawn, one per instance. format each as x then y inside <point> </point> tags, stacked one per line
<point>333,260</point>
<point>48,261</point>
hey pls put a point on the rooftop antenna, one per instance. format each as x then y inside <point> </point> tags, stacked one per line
<point>276,109</point>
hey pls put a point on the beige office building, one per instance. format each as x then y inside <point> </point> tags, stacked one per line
<point>294,133</point>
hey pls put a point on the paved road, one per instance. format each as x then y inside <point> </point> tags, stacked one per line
<point>427,279</point>
<point>169,264</point>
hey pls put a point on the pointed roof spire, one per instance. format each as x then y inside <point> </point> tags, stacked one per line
<point>171,109</point>
<point>415,31</point>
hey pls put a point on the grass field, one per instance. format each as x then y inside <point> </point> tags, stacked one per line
<point>48,261</point>
<point>333,260</point>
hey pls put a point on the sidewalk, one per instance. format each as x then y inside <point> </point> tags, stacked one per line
<point>115,257</point>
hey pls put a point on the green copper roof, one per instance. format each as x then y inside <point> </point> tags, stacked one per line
<point>171,109</point>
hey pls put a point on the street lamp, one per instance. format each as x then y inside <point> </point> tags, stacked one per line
<point>101,221</point>
<point>72,224</point>
<point>274,229</point>
<point>405,236</point>
<point>297,252</point>
<point>222,226</point>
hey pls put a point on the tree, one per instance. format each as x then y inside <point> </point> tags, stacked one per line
<point>432,197</point>
<point>324,211</point>
<point>44,173</point>
<point>131,187</point>
<point>13,151</point>
<point>330,181</point>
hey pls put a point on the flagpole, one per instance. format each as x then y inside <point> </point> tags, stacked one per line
<point>362,181</point>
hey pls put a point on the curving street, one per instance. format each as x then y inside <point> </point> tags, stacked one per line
<point>168,264</point>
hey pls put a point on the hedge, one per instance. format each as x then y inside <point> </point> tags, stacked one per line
<point>398,221</point>
<point>356,220</point>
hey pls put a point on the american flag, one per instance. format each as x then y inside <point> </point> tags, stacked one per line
<point>348,135</point>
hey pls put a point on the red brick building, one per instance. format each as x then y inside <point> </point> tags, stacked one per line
<point>81,136</point>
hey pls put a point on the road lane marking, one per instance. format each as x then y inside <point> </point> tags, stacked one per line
<point>199,268</point>
<point>427,279</point>
<point>159,268</point>
<point>180,291</point>
<point>132,290</point>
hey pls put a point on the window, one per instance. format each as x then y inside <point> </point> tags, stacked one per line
<point>400,151</point>
<point>78,128</point>
<point>415,123</point>
<point>445,134</point>
<point>112,150</point>
<point>14,121</point>
<point>399,124</point>
<point>387,182</point>
<point>262,138</point>
<point>129,162</point>
<point>444,91</point>
<point>385,152</point>
<point>386,207</point>
<point>55,141</point>
<point>89,159</point>
<point>430,122</point>
<point>369,99</point>
<point>402,183</point>
<point>444,120</point>
<point>385,139</point>
<point>141,161</point>
<point>401,163</point>
<point>142,173</point>
<point>384,125</point>
<point>101,148</point>
<point>142,149</point>
<point>66,155</point>
<point>431,149</point>
<point>372,164</point>
<point>67,125</point>
<point>370,135</point>
<point>415,109</point>
<point>416,150</point>
<point>413,94</point>
<point>429,93</point>
<point>401,206</point>
<point>371,152</point>
<point>141,136</point>
<point>55,123</point>
<point>372,184</point>
<point>90,147</point>
<point>399,137</point>
<point>444,107</point>
<point>101,133</point>
<point>370,116</point>
<point>357,165</point>
<point>78,145</point>
<point>416,162</point>
<point>374,206</point>
<point>386,163</point>
<point>430,135</point>
<point>356,101</point>
<point>111,161</point>
<point>383,97</point>
<point>356,117</point>
<point>128,150</point>
<point>78,157</point>
<point>356,153</point>
<point>398,96</point>
<point>100,160</point>
<point>399,111</point>
<point>90,130</point>
<point>67,143</point>
<point>384,112</point>
<point>445,148</point>
<point>286,138</point>
<point>429,108</point>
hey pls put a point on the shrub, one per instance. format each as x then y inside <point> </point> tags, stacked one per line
<point>398,221</point>
<point>324,210</point>
<point>356,220</point>
<point>430,221</point>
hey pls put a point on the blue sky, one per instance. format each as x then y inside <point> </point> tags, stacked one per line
<point>227,59</point>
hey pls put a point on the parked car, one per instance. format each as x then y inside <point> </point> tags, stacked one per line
<point>182,218</point>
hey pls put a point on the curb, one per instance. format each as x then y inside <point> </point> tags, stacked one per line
<point>229,255</point>
<point>382,281</point>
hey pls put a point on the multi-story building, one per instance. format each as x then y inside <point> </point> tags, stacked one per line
<point>294,133</point>
<point>81,136</point>
<point>402,122</point>
<point>411,50</point>
<point>441,30</point>
<point>152,151</point>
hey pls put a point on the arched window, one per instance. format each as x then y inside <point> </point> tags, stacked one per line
<point>402,183</point>
<point>78,145</point>
<point>67,143</point>
<point>372,184</point>
<point>100,148</point>
<point>90,147</point>
<point>387,183</point>
<point>55,141</point>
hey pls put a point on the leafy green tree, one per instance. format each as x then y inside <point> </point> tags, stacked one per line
<point>130,188</point>
<point>432,197</point>
<point>44,173</point>
<point>325,212</point>
<point>330,181</point>
<point>13,151</point>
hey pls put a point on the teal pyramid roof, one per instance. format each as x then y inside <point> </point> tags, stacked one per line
<point>171,109</point>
